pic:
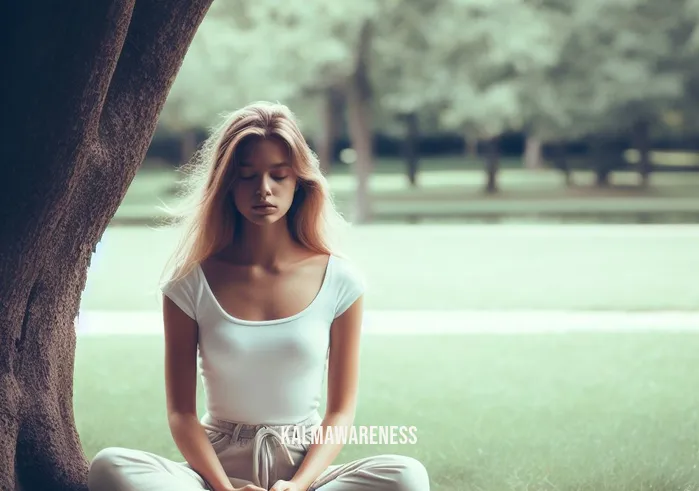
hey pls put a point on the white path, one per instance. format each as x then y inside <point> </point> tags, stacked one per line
<point>439,322</point>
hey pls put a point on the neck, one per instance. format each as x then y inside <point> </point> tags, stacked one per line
<point>265,245</point>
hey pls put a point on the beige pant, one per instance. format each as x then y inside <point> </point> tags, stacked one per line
<point>251,455</point>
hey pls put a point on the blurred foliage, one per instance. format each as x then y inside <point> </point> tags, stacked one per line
<point>554,69</point>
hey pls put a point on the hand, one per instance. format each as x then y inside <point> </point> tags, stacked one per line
<point>249,487</point>
<point>285,486</point>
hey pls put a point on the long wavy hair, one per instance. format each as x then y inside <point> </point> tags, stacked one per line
<point>205,211</point>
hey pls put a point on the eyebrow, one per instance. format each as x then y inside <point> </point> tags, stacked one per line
<point>280,164</point>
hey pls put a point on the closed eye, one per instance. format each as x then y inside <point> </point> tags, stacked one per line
<point>251,177</point>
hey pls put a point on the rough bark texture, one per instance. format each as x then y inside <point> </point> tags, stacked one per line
<point>492,165</point>
<point>87,83</point>
<point>410,149</point>
<point>331,108</point>
<point>359,111</point>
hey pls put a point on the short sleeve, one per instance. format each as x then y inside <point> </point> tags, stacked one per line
<point>183,293</point>
<point>350,285</point>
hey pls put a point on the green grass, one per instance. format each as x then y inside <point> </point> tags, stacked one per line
<point>452,267</point>
<point>585,411</point>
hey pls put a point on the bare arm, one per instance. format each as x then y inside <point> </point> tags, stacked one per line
<point>343,382</point>
<point>180,385</point>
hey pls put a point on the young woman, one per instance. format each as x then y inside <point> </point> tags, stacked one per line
<point>262,300</point>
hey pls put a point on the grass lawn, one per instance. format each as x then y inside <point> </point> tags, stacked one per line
<point>457,267</point>
<point>585,411</point>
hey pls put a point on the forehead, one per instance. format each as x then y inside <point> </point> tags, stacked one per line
<point>268,152</point>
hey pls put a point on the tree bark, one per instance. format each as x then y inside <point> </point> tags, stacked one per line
<point>410,147</point>
<point>642,144</point>
<point>359,112</point>
<point>87,83</point>
<point>331,107</point>
<point>492,165</point>
<point>532,153</point>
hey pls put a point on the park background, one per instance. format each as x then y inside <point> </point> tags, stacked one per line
<point>523,183</point>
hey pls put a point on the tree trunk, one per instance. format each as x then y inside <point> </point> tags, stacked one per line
<point>73,142</point>
<point>532,153</point>
<point>410,147</point>
<point>359,112</point>
<point>642,144</point>
<point>602,176</point>
<point>331,107</point>
<point>602,163</point>
<point>492,164</point>
<point>470,146</point>
<point>560,161</point>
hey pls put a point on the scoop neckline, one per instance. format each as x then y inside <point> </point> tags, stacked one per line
<point>246,322</point>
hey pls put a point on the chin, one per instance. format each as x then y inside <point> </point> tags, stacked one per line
<point>264,219</point>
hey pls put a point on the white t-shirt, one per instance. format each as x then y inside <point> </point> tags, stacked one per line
<point>265,372</point>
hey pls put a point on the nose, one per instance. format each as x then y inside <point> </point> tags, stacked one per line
<point>264,186</point>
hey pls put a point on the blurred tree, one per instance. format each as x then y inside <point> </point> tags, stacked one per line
<point>400,79</point>
<point>634,40</point>
<point>543,107</point>
<point>593,89</point>
<point>332,102</point>
<point>217,76</point>
<point>480,51</point>
<point>549,92</point>
<point>73,142</point>
<point>686,110</point>
<point>609,48</point>
<point>197,94</point>
<point>561,71</point>
<point>359,99</point>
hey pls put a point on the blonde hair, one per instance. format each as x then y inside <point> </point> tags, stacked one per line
<point>206,211</point>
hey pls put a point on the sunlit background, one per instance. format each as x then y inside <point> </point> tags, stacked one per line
<point>523,180</point>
